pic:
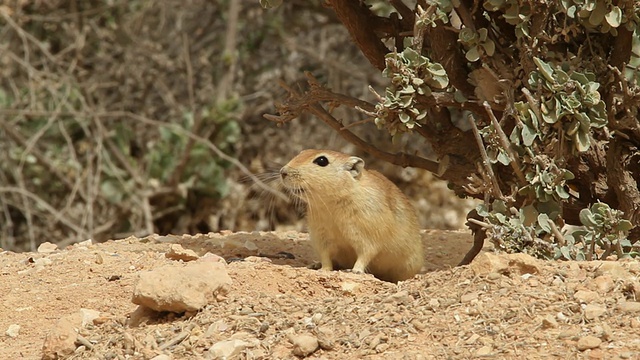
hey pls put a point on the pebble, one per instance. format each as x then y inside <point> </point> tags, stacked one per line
<point>593,311</point>
<point>13,331</point>
<point>161,357</point>
<point>604,283</point>
<point>588,342</point>
<point>304,345</point>
<point>177,252</point>
<point>549,322</point>
<point>484,351</point>
<point>227,348</point>
<point>47,247</point>
<point>586,296</point>
<point>629,306</point>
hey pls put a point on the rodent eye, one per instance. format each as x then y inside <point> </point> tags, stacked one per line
<point>321,161</point>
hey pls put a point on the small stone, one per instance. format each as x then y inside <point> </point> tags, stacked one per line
<point>588,342</point>
<point>604,283</point>
<point>484,351</point>
<point>325,338</point>
<point>13,331</point>
<point>181,287</point>
<point>469,297</point>
<point>401,297</point>
<point>634,323</point>
<point>304,345</point>
<point>593,311</point>
<point>177,252</point>
<point>472,339</point>
<point>85,243</point>
<point>629,306</point>
<point>494,276</point>
<point>161,357</point>
<point>349,287</point>
<point>257,259</point>
<point>586,296</point>
<point>569,333</point>
<point>549,322</point>
<point>47,247</point>
<point>88,316</point>
<point>227,348</point>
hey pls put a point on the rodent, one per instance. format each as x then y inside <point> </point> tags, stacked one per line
<point>357,218</point>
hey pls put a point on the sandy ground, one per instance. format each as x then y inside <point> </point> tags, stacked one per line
<point>526,310</point>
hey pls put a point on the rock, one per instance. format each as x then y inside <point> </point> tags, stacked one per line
<point>88,316</point>
<point>304,345</point>
<point>588,342</point>
<point>468,297</point>
<point>60,341</point>
<point>614,269</point>
<point>325,338</point>
<point>210,257</point>
<point>401,297</point>
<point>604,283</point>
<point>227,349</point>
<point>586,296</point>
<point>181,287</point>
<point>349,287</point>
<point>484,351</point>
<point>487,263</point>
<point>13,331</point>
<point>177,252</point>
<point>161,357</point>
<point>593,311</point>
<point>47,247</point>
<point>629,306</point>
<point>549,322</point>
<point>85,243</point>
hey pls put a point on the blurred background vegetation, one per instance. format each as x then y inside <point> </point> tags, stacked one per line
<point>123,118</point>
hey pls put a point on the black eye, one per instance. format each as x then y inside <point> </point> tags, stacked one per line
<point>321,161</point>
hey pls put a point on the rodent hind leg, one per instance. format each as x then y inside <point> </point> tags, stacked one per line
<point>325,260</point>
<point>363,261</point>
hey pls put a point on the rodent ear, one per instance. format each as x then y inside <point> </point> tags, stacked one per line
<point>354,165</point>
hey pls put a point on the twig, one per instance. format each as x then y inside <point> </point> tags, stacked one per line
<point>45,206</point>
<point>485,158</point>
<point>515,163</point>
<point>175,340</point>
<point>556,232</point>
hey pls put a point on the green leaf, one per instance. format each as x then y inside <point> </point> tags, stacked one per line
<point>543,221</point>
<point>582,141</point>
<point>473,54</point>
<point>528,214</point>
<point>597,15</point>
<point>528,135</point>
<point>587,218</point>
<point>545,69</point>
<point>614,17</point>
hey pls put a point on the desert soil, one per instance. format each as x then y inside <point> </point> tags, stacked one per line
<point>502,306</point>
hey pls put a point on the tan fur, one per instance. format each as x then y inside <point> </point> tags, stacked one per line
<point>357,218</point>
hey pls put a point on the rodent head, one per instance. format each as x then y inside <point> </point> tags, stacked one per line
<point>321,173</point>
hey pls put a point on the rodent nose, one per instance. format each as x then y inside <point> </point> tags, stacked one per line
<point>283,173</point>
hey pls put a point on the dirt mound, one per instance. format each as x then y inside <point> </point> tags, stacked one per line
<point>502,306</point>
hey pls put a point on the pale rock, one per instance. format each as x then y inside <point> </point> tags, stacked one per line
<point>629,307</point>
<point>325,338</point>
<point>615,269</point>
<point>177,252</point>
<point>604,283</point>
<point>88,316</point>
<point>304,345</point>
<point>227,349</point>
<point>586,296</point>
<point>181,287</point>
<point>85,243</point>
<point>588,342</point>
<point>13,331</point>
<point>468,297</point>
<point>210,257</point>
<point>47,247</point>
<point>60,342</point>
<point>484,351</point>
<point>257,259</point>
<point>349,287</point>
<point>162,357</point>
<point>549,322</point>
<point>592,311</point>
<point>487,263</point>
<point>401,297</point>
